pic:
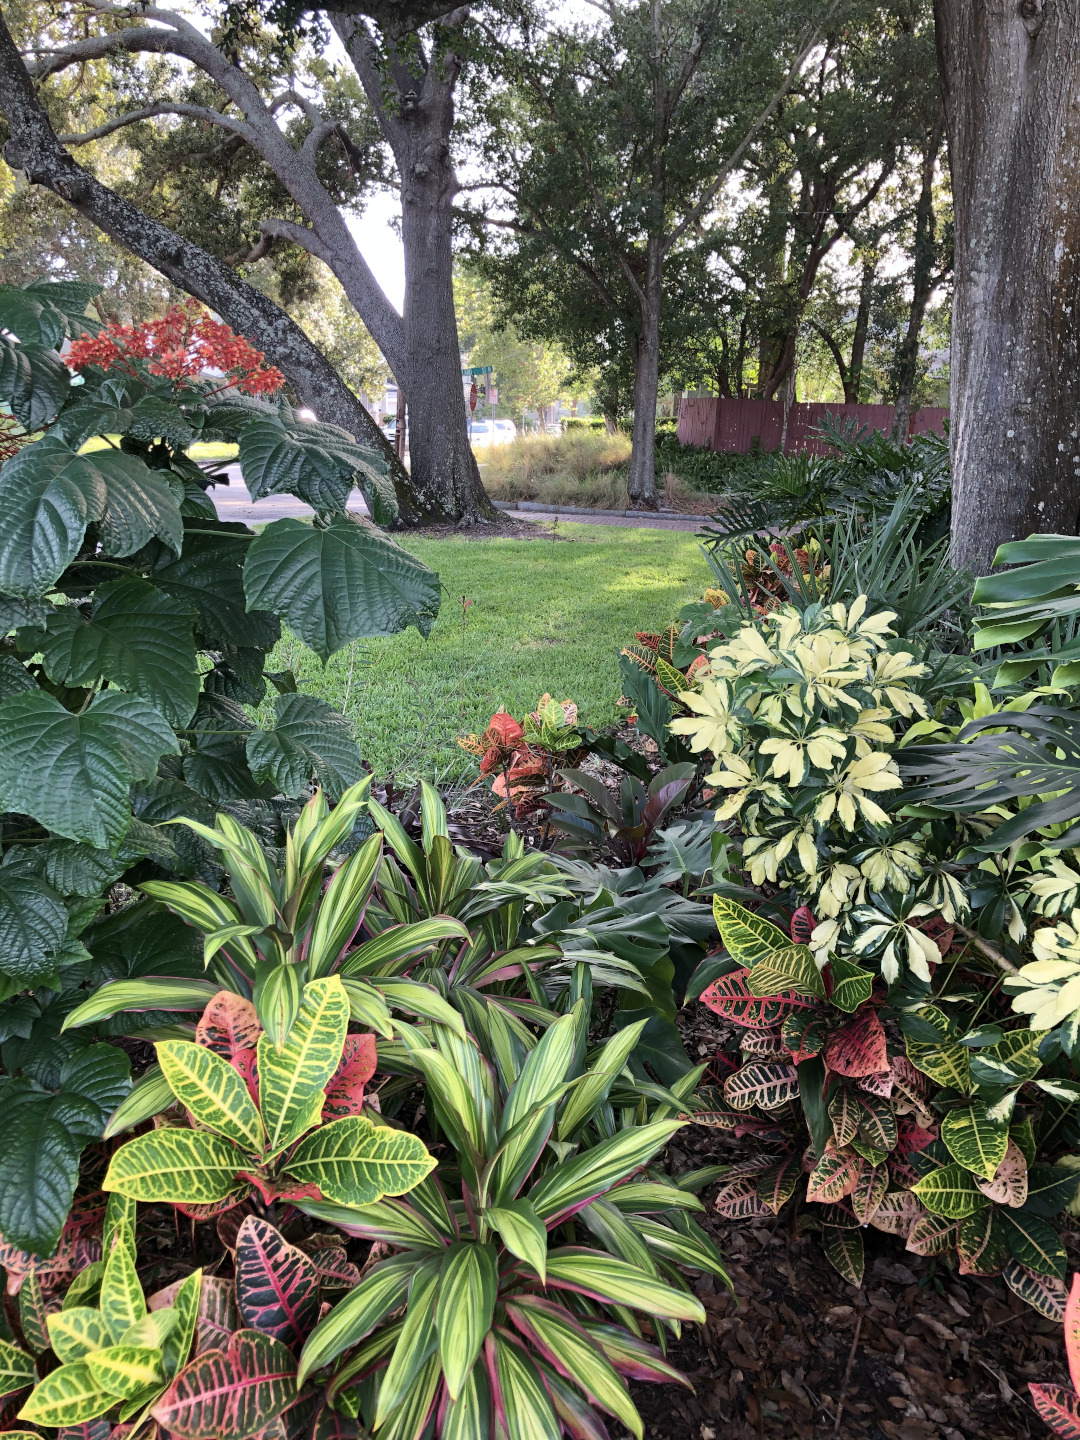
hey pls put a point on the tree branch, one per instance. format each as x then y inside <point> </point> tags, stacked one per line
<point>162,107</point>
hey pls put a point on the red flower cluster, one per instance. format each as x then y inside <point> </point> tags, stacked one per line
<point>185,343</point>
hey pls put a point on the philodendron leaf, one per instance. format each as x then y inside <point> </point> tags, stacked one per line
<point>213,1091</point>
<point>33,924</point>
<point>34,381</point>
<point>189,1167</point>
<point>309,738</point>
<point>355,1162</point>
<point>230,1394</point>
<point>73,773</point>
<point>336,583</point>
<point>292,1082</point>
<point>48,496</point>
<point>277,1286</point>
<point>136,638</point>
<point>976,1141</point>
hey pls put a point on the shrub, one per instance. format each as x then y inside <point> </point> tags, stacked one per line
<point>137,627</point>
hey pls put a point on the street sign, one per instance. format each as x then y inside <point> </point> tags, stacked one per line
<point>477,370</point>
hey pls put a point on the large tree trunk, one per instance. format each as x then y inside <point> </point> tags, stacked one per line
<point>1010,77</point>
<point>922,287</point>
<point>641,481</point>
<point>853,378</point>
<point>34,149</point>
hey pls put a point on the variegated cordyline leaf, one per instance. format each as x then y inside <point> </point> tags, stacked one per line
<point>230,1394</point>
<point>858,1048</point>
<point>932,1235</point>
<point>776,1185</point>
<point>740,1200</point>
<point>1044,1293</point>
<point>765,1085</point>
<point>591,1272</point>
<point>730,997</point>
<point>1060,1408</point>
<point>522,1403</point>
<point>277,1288</point>
<point>834,1176</point>
<point>228,1025</point>
<point>468,1285</point>
<point>630,1355</point>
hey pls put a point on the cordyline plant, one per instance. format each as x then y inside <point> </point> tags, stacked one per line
<point>286,1120</point>
<point>490,1310</point>
<point>207,1358</point>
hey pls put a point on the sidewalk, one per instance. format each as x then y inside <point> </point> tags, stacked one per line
<point>233,502</point>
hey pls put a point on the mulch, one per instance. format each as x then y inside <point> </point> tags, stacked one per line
<point>918,1352</point>
<point>501,529</point>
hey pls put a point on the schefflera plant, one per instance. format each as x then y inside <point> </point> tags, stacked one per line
<point>492,1315</point>
<point>116,1357</point>
<point>256,1120</point>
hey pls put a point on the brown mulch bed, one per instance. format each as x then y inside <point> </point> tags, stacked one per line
<point>919,1352</point>
<point>501,529</point>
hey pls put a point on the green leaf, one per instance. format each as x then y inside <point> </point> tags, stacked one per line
<point>467,1288</point>
<point>400,942</point>
<point>309,738</point>
<point>34,382</point>
<point>950,1191</point>
<point>33,924</point>
<point>595,1085</point>
<point>318,463</point>
<point>136,638</point>
<point>383,1289</point>
<point>213,1091</point>
<point>336,583</point>
<point>73,773</point>
<point>122,1304</point>
<point>43,1138</point>
<point>852,985</point>
<point>590,1272</point>
<point>48,496</point>
<point>526,1405</point>
<point>562,1341</point>
<point>292,1081</point>
<point>1034,1243</point>
<point>77,1332</point>
<point>126,1370</point>
<point>190,1167</point>
<point>595,1171</point>
<point>153,992</point>
<point>176,1347</point>
<point>67,1396</point>
<point>947,1061</point>
<point>16,1369</point>
<point>208,577</point>
<point>355,1162</point>
<point>977,1142</point>
<point>522,1232</point>
<point>790,969</point>
<point>747,937</point>
<point>416,1343</point>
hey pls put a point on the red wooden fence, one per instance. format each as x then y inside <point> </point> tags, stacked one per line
<point>735,425</point>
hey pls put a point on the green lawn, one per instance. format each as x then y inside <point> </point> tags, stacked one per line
<point>546,616</point>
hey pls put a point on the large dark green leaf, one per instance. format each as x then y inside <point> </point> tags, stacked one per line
<point>136,638</point>
<point>1037,753</point>
<point>336,583</point>
<point>309,738</point>
<point>46,311</point>
<point>208,576</point>
<point>319,463</point>
<point>216,766</point>
<point>150,417</point>
<point>33,924</point>
<point>48,496</point>
<point>73,773</point>
<point>34,382</point>
<point>14,677</point>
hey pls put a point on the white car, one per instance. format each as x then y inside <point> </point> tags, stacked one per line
<point>486,432</point>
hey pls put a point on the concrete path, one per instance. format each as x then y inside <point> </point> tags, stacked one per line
<point>233,502</point>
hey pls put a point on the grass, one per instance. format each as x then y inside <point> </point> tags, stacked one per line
<point>545,616</point>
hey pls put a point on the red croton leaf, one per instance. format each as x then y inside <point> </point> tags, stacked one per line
<point>345,1092</point>
<point>910,1136</point>
<point>730,997</point>
<point>280,1189</point>
<point>247,1062</point>
<point>228,1026</point>
<point>277,1287</point>
<point>858,1048</point>
<point>1060,1408</point>
<point>230,1394</point>
<point>1072,1331</point>
<point>802,925</point>
<point>100,1429</point>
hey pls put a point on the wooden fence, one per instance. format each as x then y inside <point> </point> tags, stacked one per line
<point>743,425</point>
